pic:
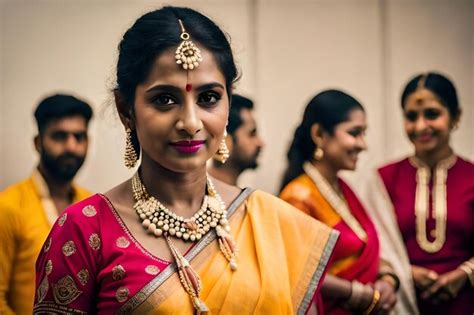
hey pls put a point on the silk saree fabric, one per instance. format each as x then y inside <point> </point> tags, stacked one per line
<point>92,264</point>
<point>354,258</point>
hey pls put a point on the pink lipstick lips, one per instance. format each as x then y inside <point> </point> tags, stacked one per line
<point>188,146</point>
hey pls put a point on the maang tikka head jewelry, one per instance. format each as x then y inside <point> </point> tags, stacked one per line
<point>187,53</point>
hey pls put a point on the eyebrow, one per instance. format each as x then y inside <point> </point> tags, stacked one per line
<point>173,88</point>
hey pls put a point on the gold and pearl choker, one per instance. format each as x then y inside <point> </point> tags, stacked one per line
<point>160,221</point>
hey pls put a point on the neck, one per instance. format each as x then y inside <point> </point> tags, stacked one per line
<point>227,174</point>
<point>328,172</point>
<point>58,188</point>
<point>431,158</point>
<point>183,193</point>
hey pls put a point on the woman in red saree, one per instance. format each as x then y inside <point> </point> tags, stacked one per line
<point>172,240</point>
<point>328,140</point>
<point>425,203</point>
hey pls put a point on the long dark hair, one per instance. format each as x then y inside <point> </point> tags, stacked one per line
<point>328,109</point>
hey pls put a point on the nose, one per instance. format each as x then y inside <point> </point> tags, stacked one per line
<point>189,119</point>
<point>420,124</point>
<point>71,143</point>
<point>260,142</point>
<point>362,143</point>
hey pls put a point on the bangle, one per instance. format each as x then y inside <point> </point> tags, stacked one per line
<point>374,302</point>
<point>392,275</point>
<point>468,268</point>
<point>357,290</point>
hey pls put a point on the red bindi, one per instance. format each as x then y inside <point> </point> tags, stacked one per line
<point>189,87</point>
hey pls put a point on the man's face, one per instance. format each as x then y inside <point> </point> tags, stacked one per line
<point>63,146</point>
<point>247,144</point>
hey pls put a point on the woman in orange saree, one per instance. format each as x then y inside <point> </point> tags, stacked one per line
<point>172,240</point>
<point>329,140</point>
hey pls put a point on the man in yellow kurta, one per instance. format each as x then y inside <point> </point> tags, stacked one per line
<point>29,208</point>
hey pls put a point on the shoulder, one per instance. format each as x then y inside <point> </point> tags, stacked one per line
<point>300,188</point>
<point>14,196</point>
<point>465,163</point>
<point>389,170</point>
<point>83,214</point>
<point>264,204</point>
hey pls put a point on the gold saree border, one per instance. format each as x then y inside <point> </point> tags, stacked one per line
<point>318,273</point>
<point>148,289</point>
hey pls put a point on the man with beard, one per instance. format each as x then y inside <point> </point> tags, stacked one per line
<point>29,208</point>
<point>243,142</point>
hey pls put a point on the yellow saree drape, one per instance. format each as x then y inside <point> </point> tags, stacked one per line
<point>282,257</point>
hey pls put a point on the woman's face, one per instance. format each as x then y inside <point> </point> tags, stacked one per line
<point>428,123</point>
<point>342,148</point>
<point>180,116</point>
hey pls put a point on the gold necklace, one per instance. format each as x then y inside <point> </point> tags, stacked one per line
<point>335,200</point>
<point>159,221</point>
<point>439,203</point>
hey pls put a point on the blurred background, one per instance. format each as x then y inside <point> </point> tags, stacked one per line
<point>287,51</point>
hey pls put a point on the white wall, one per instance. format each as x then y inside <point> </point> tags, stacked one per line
<point>288,51</point>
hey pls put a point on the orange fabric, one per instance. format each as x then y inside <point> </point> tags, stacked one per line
<point>23,230</point>
<point>282,257</point>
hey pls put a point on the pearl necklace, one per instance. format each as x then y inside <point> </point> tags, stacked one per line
<point>159,221</point>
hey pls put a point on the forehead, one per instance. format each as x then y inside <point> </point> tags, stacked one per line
<point>166,71</point>
<point>422,99</point>
<point>356,116</point>
<point>70,124</point>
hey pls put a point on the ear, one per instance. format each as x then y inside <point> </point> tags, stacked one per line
<point>316,132</point>
<point>37,142</point>
<point>123,110</point>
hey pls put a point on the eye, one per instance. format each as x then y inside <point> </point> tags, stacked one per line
<point>59,136</point>
<point>80,136</point>
<point>209,98</point>
<point>164,100</point>
<point>411,116</point>
<point>431,114</point>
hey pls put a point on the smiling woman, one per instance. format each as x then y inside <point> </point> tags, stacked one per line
<point>172,239</point>
<point>328,140</point>
<point>424,204</point>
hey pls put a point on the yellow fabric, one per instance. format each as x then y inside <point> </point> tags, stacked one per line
<point>23,230</point>
<point>280,251</point>
<point>305,195</point>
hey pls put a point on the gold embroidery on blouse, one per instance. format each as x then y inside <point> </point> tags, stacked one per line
<point>94,241</point>
<point>122,294</point>
<point>42,289</point>
<point>439,204</point>
<point>65,291</point>
<point>83,276</point>
<point>152,270</point>
<point>122,242</point>
<point>62,219</point>
<point>118,272</point>
<point>89,211</point>
<point>69,248</point>
<point>49,267</point>
<point>47,245</point>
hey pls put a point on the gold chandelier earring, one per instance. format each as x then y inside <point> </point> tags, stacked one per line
<point>222,153</point>
<point>318,154</point>
<point>130,155</point>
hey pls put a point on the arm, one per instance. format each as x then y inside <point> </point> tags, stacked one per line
<point>7,254</point>
<point>68,260</point>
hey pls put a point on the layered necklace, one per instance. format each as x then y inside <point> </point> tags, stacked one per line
<point>439,204</point>
<point>160,221</point>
